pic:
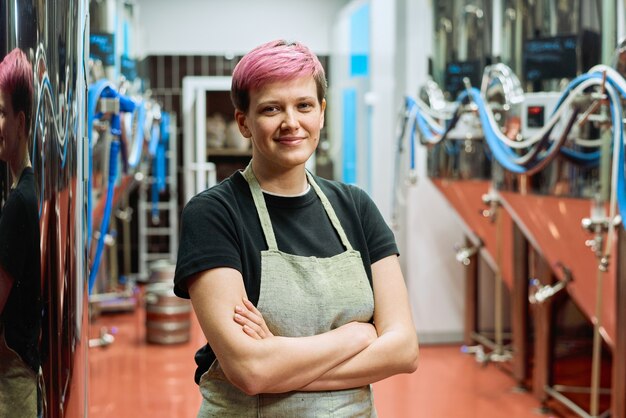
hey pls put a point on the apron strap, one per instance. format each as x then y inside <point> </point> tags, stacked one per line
<point>261,208</point>
<point>264,217</point>
<point>330,212</point>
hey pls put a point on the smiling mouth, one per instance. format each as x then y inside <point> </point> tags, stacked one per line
<point>289,140</point>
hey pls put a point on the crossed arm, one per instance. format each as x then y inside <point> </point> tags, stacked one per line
<point>352,355</point>
<point>6,282</point>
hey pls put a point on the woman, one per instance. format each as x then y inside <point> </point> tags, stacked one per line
<point>314,256</point>
<point>20,276</point>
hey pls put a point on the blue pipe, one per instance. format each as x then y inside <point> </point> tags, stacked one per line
<point>104,228</point>
<point>135,154</point>
<point>93,95</point>
<point>161,171</point>
<point>412,145</point>
<point>509,159</point>
<point>154,139</point>
<point>618,127</point>
<point>101,89</point>
<point>159,161</point>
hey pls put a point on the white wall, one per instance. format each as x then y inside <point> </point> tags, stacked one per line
<point>401,35</point>
<point>217,27</point>
<point>375,97</point>
<point>382,100</point>
<point>428,227</point>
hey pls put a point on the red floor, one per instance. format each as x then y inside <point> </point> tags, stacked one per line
<point>131,378</point>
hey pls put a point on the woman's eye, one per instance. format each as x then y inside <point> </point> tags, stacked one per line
<point>270,109</point>
<point>305,106</point>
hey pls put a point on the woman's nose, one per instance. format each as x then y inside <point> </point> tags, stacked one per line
<point>290,120</point>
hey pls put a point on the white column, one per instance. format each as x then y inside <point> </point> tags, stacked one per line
<point>428,227</point>
<point>384,107</point>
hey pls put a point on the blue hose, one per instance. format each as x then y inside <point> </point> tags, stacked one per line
<point>103,89</point>
<point>430,132</point>
<point>412,145</point>
<point>618,127</point>
<point>506,156</point>
<point>135,154</point>
<point>154,140</point>
<point>104,228</point>
<point>159,161</point>
<point>93,95</point>
<point>510,160</point>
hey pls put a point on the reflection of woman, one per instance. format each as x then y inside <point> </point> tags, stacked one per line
<point>20,282</point>
<point>314,256</point>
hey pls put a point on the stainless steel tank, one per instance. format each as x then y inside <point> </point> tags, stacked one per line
<point>52,34</point>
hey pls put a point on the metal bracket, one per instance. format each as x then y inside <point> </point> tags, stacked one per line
<point>538,294</point>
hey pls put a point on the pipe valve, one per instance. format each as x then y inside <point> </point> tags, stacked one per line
<point>492,200</point>
<point>464,253</point>
<point>412,177</point>
<point>539,293</point>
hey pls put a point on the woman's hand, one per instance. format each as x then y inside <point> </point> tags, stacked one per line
<point>265,365</point>
<point>251,321</point>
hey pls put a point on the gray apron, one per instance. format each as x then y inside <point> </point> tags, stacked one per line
<point>299,296</point>
<point>18,384</point>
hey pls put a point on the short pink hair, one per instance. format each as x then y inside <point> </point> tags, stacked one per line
<point>16,80</point>
<point>274,61</point>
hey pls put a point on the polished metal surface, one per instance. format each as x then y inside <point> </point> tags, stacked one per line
<point>460,159</point>
<point>52,34</point>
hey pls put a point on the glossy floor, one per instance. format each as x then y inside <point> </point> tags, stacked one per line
<point>131,378</point>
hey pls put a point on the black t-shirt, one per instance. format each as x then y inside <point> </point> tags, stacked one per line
<point>220,228</point>
<point>20,257</point>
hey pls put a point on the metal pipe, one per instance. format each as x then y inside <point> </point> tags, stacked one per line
<point>579,389</point>
<point>506,52</point>
<point>567,402</point>
<point>483,340</point>
<point>464,253</point>
<point>597,346</point>
<point>598,214</point>
<point>519,31</point>
<point>496,48</point>
<point>461,34</point>
<point>552,15</point>
<point>621,20</point>
<point>445,27</point>
<point>498,282</point>
<point>609,35</point>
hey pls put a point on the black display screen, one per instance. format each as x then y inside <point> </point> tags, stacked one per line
<point>535,116</point>
<point>129,68</point>
<point>102,48</point>
<point>457,71</point>
<point>551,58</point>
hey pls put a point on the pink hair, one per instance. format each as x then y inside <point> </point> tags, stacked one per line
<point>16,80</point>
<point>274,61</point>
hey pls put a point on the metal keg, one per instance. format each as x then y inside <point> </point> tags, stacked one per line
<point>168,317</point>
<point>162,271</point>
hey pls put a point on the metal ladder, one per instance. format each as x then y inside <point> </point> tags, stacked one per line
<point>149,231</point>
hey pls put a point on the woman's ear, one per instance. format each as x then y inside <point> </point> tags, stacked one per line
<point>323,107</point>
<point>21,123</point>
<point>242,123</point>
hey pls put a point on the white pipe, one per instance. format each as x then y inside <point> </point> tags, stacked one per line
<point>496,49</point>
<point>621,20</point>
<point>554,119</point>
<point>609,41</point>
